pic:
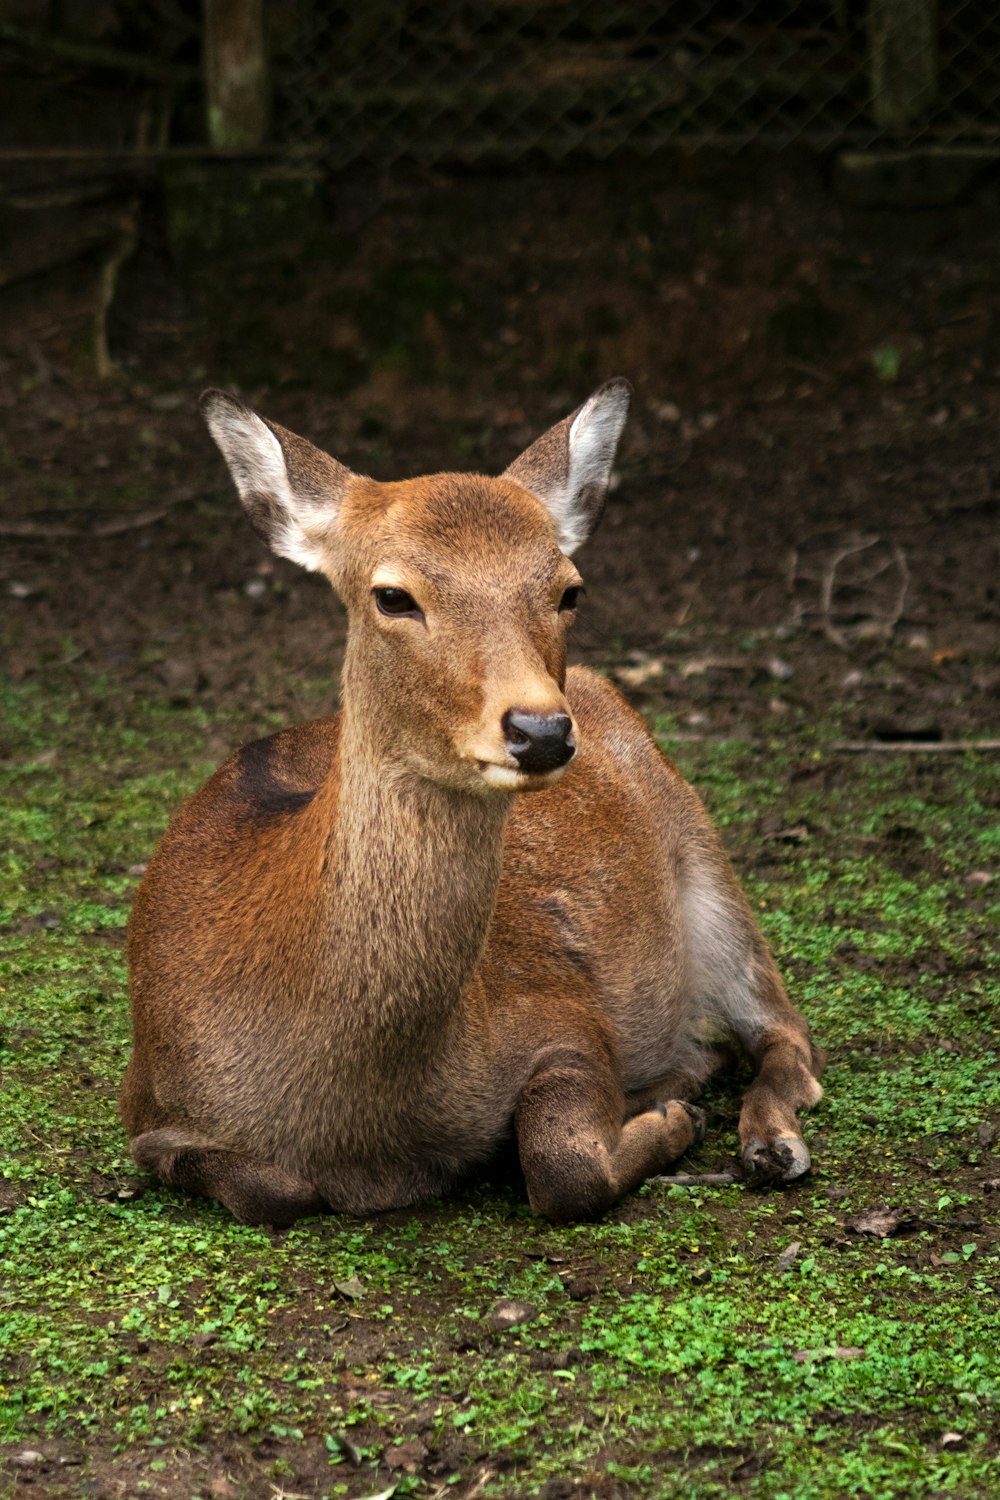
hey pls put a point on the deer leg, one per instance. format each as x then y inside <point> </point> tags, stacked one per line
<point>737,989</point>
<point>786,1082</point>
<point>787,1068</point>
<point>255,1192</point>
<point>577,1156</point>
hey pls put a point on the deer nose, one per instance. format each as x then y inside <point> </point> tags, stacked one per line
<point>538,742</point>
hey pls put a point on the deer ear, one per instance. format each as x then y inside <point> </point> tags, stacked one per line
<point>290,490</point>
<point>568,467</point>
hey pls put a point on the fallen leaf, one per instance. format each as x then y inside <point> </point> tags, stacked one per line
<point>793,835</point>
<point>837,1351</point>
<point>951,1439</point>
<point>43,758</point>
<point>787,1257</point>
<point>699,665</point>
<point>878,1221</point>
<point>508,1313</point>
<point>351,1288</point>
<point>638,676</point>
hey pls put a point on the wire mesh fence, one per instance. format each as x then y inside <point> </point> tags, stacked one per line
<point>485,78</point>
<point>480,79</point>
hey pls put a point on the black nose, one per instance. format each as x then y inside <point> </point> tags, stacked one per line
<point>538,742</point>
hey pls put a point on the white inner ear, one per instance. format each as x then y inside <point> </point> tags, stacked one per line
<point>257,465</point>
<point>593,440</point>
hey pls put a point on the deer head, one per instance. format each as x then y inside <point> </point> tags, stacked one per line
<point>459,588</point>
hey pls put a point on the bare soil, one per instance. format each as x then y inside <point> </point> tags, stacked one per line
<point>783,506</point>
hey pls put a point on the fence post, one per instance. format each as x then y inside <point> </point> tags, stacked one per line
<point>237,86</point>
<point>903,60</point>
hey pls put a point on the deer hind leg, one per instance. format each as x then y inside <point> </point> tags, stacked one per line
<point>577,1156</point>
<point>255,1192</point>
<point>738,989</point>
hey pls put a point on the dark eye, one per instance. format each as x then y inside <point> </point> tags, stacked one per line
<point>396,602</point>
<point>570,599</point>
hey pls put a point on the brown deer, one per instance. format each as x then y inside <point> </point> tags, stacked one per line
<point>360,957</point>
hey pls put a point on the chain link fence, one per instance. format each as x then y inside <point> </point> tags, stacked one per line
<point>503,78</point>
<point>476,80</point>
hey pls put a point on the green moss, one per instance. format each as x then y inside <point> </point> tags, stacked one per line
<point>224,209</point>
<point>146,1325</point>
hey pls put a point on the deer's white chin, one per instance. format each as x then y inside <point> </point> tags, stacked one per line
<point>509,779</point>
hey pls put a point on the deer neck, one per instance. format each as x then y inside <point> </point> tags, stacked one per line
<point>410,885</point>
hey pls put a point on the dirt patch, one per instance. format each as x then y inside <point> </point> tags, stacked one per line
<point>789,526</point>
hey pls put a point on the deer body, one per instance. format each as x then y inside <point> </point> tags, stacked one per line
<point>361,957</point>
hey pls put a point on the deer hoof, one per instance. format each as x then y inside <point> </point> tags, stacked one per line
<point>697,1118</point>
<point>694,1114</point>
<point>781,1160</point>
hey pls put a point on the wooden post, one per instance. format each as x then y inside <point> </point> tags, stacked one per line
<point>237,86</point>
<point>903,60</point>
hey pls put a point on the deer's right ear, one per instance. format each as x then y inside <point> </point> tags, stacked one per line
<point>569,467</point>
<point>290,490</point>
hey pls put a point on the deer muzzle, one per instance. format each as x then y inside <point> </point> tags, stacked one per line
<point>539,743</point>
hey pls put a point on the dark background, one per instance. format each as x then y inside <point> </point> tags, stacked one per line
<point>807,503</point>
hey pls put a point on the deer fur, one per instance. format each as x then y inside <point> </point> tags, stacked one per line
<point>363,955</point>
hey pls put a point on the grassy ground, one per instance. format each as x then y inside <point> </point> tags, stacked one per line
<point>698,1342</point>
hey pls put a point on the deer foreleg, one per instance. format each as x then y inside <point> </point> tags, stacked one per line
<point>737,988</point>
<point>786,1083</point>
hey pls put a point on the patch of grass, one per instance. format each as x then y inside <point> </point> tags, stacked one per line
<point>146,1334</point>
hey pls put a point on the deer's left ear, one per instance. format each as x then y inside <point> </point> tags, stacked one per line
<point>568,467</point>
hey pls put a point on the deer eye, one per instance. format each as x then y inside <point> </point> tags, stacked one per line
<point>396,602</point>
<point>571,598</point>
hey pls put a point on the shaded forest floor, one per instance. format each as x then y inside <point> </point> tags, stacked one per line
<point>802,551</point>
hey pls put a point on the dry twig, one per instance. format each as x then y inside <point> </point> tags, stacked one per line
<point>827,579</point>
<point>121,249</point>
<point>697,1179</point>
<point>893,619</point>
<point>110,527</point>
<point>825,571</point>
<point>915,747</point>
